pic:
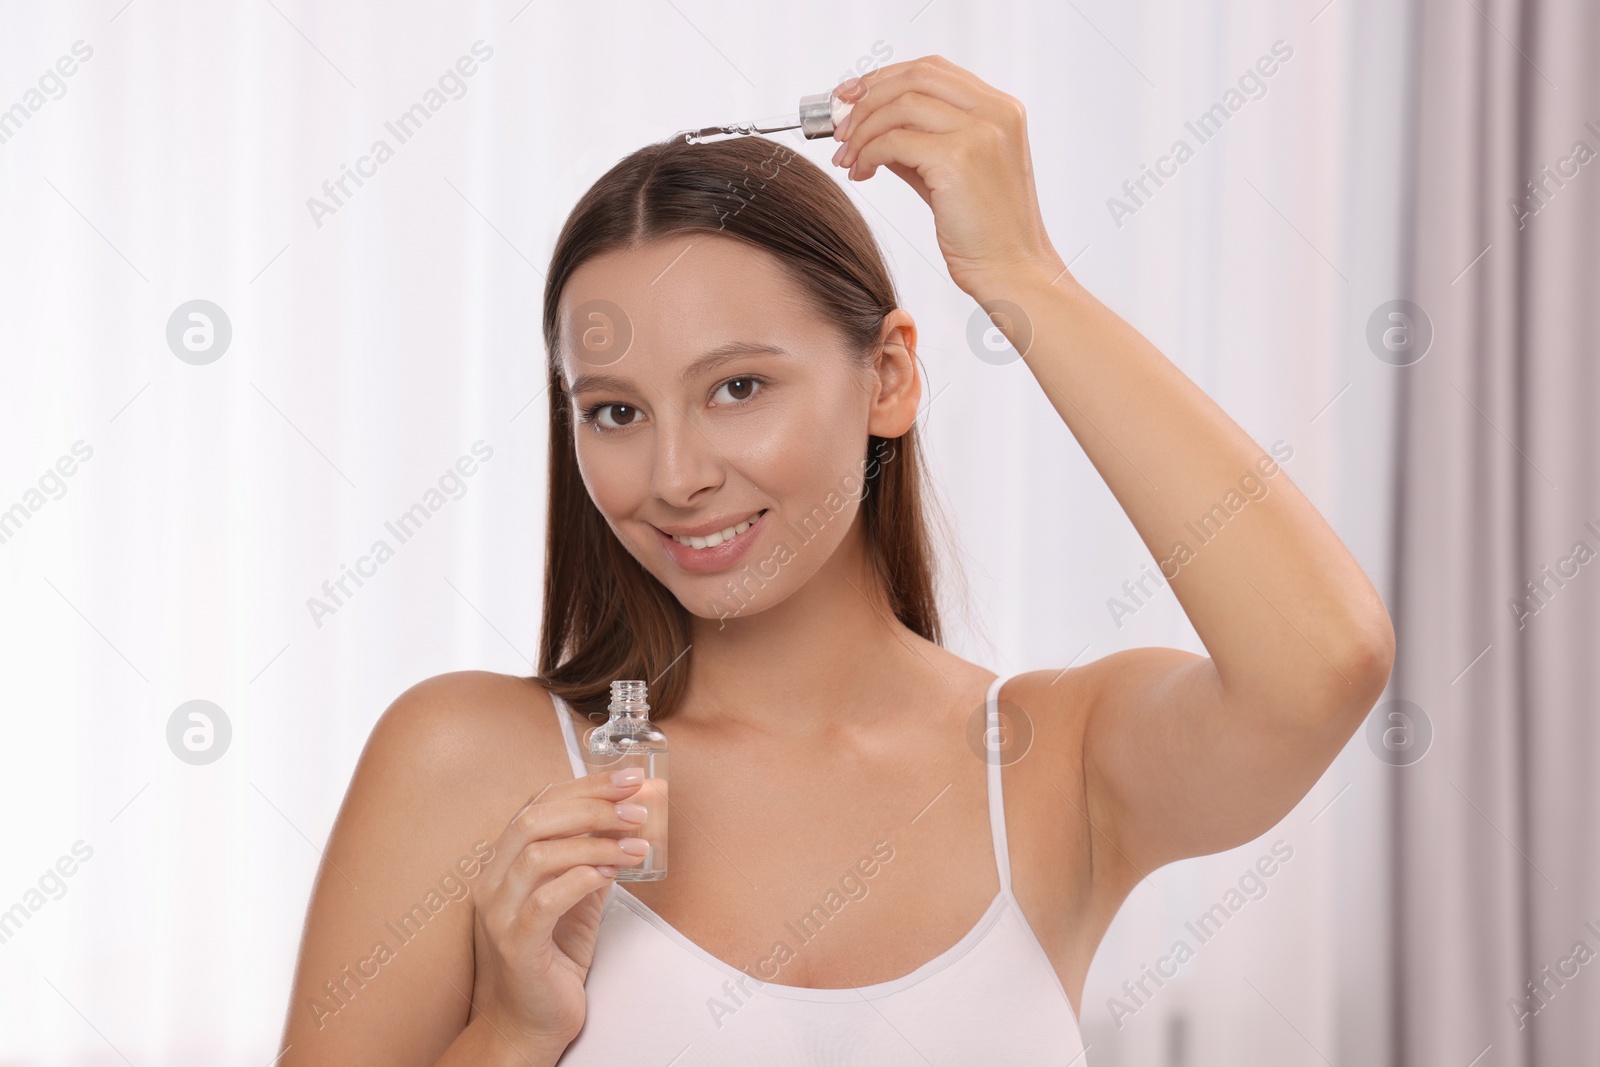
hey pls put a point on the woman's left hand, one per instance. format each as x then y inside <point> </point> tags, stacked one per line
<point>963,146</point>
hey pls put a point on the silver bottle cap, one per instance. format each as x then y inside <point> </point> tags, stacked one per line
<point>821,113</point>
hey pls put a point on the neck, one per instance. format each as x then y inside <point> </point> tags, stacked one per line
<point>808,664</point>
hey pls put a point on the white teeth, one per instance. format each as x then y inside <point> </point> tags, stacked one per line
<point>717,538</point>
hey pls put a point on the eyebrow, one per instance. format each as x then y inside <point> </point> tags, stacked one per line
<point>723,353</point>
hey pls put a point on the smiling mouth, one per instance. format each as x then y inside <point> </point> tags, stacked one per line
<point>721,536</point>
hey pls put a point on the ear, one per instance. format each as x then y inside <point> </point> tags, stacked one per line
<point>893,410</point>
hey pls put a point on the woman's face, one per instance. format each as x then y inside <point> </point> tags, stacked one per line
<point>707,394</point>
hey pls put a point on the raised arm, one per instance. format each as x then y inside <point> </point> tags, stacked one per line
<point>1183,755</point>
<point>1186,755</point>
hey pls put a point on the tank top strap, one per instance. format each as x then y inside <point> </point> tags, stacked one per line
<point>994,754</point>
<point>570,734</point>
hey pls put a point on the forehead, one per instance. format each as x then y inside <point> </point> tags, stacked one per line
<point>677,292</point>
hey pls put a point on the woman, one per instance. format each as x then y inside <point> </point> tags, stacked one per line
<point>850,881</point>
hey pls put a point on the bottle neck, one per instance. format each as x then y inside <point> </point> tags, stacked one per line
<point>629,700</point>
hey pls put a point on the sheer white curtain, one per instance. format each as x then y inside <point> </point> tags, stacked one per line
<point>187,510</point>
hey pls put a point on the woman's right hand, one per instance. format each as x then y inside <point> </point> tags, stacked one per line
<point>537,909</point>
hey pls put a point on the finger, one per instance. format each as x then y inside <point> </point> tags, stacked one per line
<point>860,85</point>
<point>878,88</point>
<point>552,812</point>
<point>912,110</point>
<point>912,148</point>
<point>600,784</point>
<point>576,817</point>
<point>537,919</point>
<point>542,862</point>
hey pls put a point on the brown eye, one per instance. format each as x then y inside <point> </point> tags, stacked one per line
<point>740,390</point>
<point>624,415</point>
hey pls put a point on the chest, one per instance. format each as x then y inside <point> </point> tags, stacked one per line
<point>831,870</point>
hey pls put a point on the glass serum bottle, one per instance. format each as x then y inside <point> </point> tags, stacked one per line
<point>630,739</point>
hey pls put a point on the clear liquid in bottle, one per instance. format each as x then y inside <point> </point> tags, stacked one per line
<point>630,739</point>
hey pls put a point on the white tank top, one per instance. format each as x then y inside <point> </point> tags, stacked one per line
<point>655,997</point>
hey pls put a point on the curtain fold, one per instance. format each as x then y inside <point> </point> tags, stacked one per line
<point>1496,851</point>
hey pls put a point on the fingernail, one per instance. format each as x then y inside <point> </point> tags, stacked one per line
<point>634,846</point>
<point>607,870</point>
<point>627,776</point>
<point>838,153</point>
<point>631,812</point>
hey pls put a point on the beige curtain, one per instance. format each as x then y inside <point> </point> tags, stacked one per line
<point>1496,848</point>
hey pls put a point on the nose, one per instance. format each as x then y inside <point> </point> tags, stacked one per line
<point>686,463</point>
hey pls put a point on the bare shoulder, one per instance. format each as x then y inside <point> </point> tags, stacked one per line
<point>1073,690</point>
<point>1052,703</point>
<point>386,955</point>
<point>474,745</point>
<point>1059,707</point>
<point>469,726</point>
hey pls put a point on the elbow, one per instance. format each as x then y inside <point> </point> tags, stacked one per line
<point>1347,677</point>
<point>1368,665</point>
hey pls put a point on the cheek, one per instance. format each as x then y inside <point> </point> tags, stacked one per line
<point>611,475</point>
<point>803,447</point>
<point>811,466</point>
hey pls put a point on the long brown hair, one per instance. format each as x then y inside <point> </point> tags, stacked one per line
<point>605,616</point>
